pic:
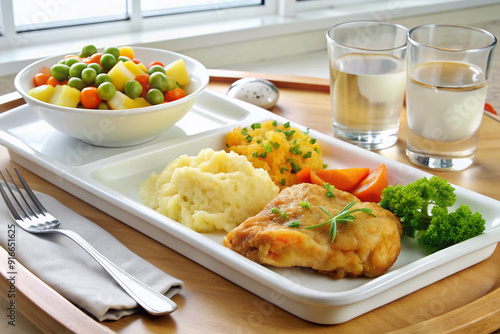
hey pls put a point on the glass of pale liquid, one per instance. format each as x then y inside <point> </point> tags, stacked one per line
<point>448,69</point>
<point>367,81</point>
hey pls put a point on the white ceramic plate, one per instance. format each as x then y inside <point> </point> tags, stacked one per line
<point>108,178</point>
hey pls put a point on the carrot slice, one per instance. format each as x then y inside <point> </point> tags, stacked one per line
<point>304,175</point>
<point>345,179</point>
<point>370,189</point>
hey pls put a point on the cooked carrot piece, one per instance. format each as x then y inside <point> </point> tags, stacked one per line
<point>40,79</point>
<point>304,175</point>
<point>345,179</point>
<point>370,189</point>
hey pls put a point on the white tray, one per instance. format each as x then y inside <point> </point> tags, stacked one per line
<point>108,178</point>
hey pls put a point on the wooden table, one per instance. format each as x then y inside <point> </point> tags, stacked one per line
<point>468,301</point>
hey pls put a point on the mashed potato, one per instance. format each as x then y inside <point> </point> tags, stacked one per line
<point>209,192</point>
<point>279,149</point>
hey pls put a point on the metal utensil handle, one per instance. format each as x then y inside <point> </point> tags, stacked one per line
<point>152,301</point>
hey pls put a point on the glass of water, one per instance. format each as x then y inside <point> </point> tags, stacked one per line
<point>448,69</point>
<point>367,81</point>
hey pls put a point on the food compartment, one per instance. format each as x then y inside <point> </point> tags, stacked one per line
<point>22,125</point>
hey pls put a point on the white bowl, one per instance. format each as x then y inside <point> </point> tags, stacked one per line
<point>115,128</point>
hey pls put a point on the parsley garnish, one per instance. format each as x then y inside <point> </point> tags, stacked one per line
<point>288,134</point>
<point>329,189</point>
<point>295,150</point>
<point>256,126</point>
<point>295,166</point>
<point>305,204</point>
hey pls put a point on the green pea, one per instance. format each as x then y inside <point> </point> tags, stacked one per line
<point>158,80</point>
<point>89,75</point>
<point>108,61</point>
<point>71,61</point>
<point>106,91</point>
<point>172,84</point>
<point>154,96</point>
<point>76,69</point>
<point>112,50</point>
<point>97,68</point>
<point>88,50</point>
<point>101,78</point>
<point>156,68</point>
<point>103,106</point>
<point>60,72</point>
<point>133,89</point>
<point>76,83</point>
<point>123,59</point>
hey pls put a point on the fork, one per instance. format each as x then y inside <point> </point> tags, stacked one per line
<point>36,219</point>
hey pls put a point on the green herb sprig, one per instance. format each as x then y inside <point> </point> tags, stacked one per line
<point>344,216</point>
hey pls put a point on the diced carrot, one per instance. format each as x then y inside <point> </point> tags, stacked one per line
<point>72,56</point>
<point>345,179</point>
<point>40,79</point>
<point>304,175</point>
<point>52,81</point>
<point>45,70</point>
<point>370,189</point>
<point>155,63</point>
<point>174,94</point>
<point>95,58</point>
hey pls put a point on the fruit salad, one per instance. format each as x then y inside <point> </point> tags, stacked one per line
<point>111,79</point>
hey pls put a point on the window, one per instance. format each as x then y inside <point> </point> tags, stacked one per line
<point>216,32</point>
<point>38,15</point>
<point>165,7</point>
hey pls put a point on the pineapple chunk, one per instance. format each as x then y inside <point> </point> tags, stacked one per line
<point>178,71</point>
<point>127,51</point>
<point>134,68</point>
<point>65,96</point>
<point>42,93</point>
<point>120,74</point>
<point>119,101</point>
<point>122,101</point>
<point>137,103</point>
<point>143,67</point>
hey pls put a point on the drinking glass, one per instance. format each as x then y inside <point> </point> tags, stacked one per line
<point>448,69</point>
<point>367,81</point>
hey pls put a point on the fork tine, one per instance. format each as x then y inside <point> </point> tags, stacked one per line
<point>7,200</point>
<point>28,205</point>
<point>30,194</point>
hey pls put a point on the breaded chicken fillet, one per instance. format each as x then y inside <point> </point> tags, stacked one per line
<point>369,246</point>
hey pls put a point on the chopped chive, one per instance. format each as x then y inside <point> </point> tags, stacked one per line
<point>256,126</point>
<point>305,204</point>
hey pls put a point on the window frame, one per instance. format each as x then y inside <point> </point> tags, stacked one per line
<point>195,33</point>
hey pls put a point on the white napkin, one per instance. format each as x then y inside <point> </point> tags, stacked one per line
<point>67,268</point>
